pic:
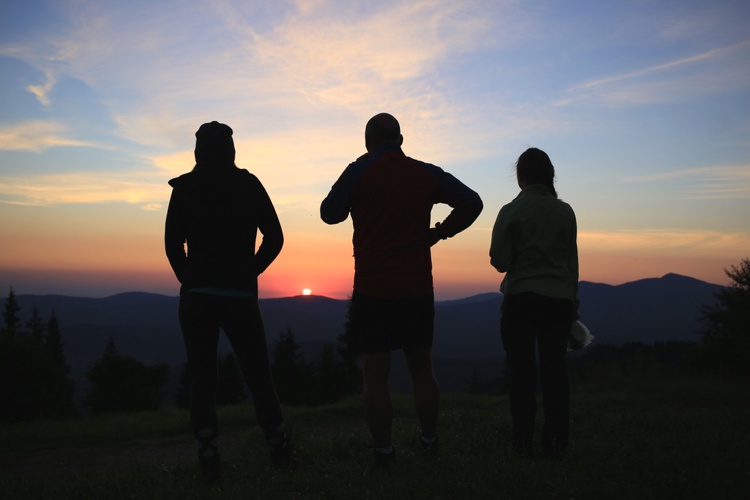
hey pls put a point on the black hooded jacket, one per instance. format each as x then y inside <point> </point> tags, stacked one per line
<point>211,227</point>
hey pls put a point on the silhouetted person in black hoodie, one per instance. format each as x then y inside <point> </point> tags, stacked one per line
<point>214,214</point>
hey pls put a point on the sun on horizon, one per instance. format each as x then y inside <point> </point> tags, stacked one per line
<point>306,291</point>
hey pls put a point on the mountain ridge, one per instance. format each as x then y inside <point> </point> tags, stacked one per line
<point>144,325</point>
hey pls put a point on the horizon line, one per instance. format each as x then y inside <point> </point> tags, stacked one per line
<point>300,295</point>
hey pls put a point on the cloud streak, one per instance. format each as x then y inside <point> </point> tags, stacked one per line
<point>78,188</point>
<point>318,62</point>
<point>37,135</point>
<point>666,242</point>
<point>712,71</point>
<point>706,183</point>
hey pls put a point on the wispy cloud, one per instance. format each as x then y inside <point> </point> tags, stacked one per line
<point>37,135</point>
<point>42,91</point>
<point>714,182</point>
<point>709,72</point>
<point>666,241</point>
<point>317,62</point>
<point>79,188</point>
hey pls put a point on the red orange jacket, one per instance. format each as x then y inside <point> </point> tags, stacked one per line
<point>390,197</point>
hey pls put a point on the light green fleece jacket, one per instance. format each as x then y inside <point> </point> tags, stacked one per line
<point>534,243</point>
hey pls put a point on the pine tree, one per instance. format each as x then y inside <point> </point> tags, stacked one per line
<point>63,386</point>
<point>327,377</point>
<point>291,374</point>
<point>726,324</point>
<point>110,348</point>
<point>350,375</point>
<point>10,314</point>
<point>124,384</point>
<point>53,341</point>
<point>36,384</point>
<point>36,325</point>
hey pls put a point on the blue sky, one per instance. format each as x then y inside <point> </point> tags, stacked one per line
<point>642,106</point>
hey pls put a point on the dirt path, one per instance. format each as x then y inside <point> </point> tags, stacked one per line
<point>113,458</point>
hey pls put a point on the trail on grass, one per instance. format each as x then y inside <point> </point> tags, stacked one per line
<point>113,458</point>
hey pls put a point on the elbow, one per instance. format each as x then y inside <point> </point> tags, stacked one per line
<point>476,206</point>
<point>330,217</point>
<point>326,218</point>
<point>498,262</point>
<point>501,268</point>
<point>275,242</point>
<point>477,212</point>
<point>474,209</point>
<point>334,209</point>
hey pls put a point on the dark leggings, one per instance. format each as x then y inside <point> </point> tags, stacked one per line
<point>201,317</point>
<point>529,320</point>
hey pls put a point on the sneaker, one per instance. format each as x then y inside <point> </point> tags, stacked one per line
<point>210,464</point>
<point>209,454</point>
<point>430,445</point>
<point>281,452</point>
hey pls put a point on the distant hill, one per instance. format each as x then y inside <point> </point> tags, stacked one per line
<point>467,336</point>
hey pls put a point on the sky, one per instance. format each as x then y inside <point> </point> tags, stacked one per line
<point>641,105</point>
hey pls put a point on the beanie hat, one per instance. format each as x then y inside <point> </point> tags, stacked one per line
<point>214,144</point>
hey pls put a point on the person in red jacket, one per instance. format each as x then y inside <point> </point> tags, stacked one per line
<point>390,197</point>
<point>213,218</point>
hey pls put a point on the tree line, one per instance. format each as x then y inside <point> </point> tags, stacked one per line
<point>34,374</point>
<point>37,383</point>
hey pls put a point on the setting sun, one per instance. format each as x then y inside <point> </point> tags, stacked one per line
<point>306,291</point>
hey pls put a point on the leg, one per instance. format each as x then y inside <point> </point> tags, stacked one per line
<point>243,325</point>
<point>555,388</point>
<point>519,342</point>
<point>376,368</point>
<point>200,331</point>
<point>426,391</point>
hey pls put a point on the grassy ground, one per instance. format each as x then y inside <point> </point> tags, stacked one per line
<point>635,437</point>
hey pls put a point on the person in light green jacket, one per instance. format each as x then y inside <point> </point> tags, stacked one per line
<point>534,244</point>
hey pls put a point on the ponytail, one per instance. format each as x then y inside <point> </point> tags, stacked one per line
<point>535,167</point>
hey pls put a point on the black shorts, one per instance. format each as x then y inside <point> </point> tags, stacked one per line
<point>378,325</point>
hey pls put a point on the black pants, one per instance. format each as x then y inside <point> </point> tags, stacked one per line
<point>529,320</point>
<point>201,317</point>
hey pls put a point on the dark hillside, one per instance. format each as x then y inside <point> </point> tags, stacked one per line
<point>467,336</point>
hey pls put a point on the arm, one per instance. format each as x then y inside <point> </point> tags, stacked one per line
<point>466,204</point>
<point>573,262</point>
<point>501,246</point>
<point>174,237</point>
<point>336,206</point>
<point>270,227</point>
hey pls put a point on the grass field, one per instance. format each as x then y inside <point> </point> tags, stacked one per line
<point>635,437</point>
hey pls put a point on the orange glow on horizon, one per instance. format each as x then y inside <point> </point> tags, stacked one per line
<point>319,257</point>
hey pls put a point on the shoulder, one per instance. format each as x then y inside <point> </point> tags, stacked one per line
<point>355,171</point>
<point>244,175</point>
<point>428,167</point>
<point>182,180</point>
<point>565,206</point>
